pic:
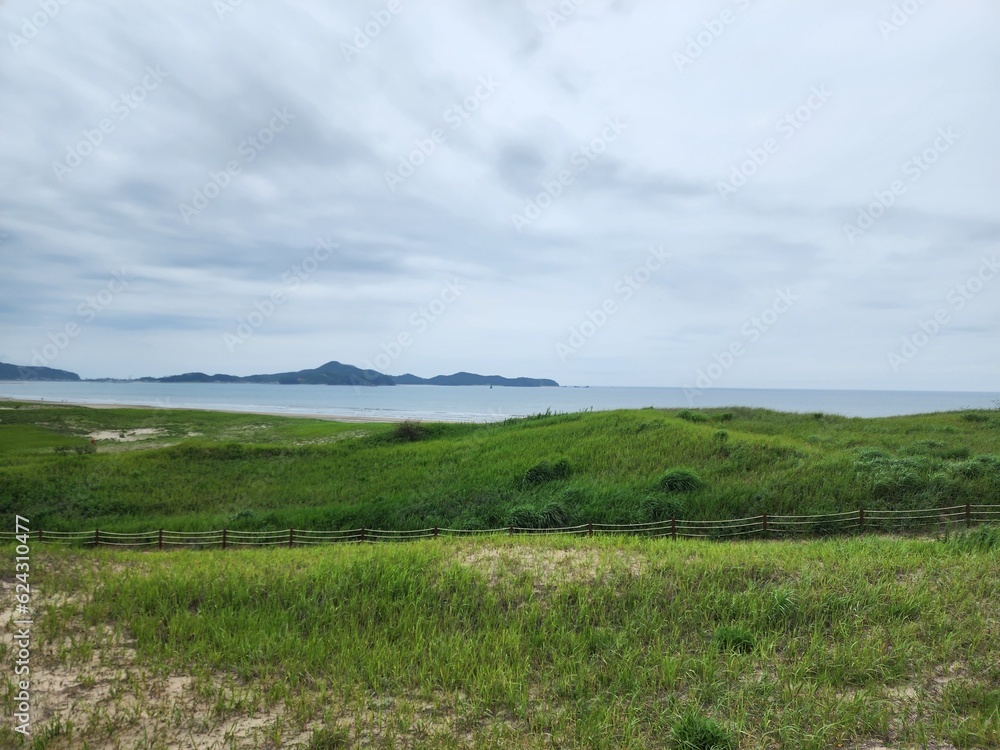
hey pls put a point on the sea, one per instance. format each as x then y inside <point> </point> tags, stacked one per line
<point>482,403</point>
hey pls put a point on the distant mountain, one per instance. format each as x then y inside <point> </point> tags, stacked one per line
<point>469,378</point>
<point>196,377</point>
<point>336,373</point>
<point>332,373</point>
<point>17,372</point>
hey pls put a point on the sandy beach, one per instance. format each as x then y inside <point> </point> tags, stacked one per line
<point>261,412</point>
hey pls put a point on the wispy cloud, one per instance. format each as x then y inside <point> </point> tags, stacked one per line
<point>206,147</point>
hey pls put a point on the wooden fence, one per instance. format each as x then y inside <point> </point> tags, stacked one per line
<point>764,526</point>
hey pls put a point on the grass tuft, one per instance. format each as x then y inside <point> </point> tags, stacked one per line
<point>544,471</point>
<point>734,638</point>
<point>696,732</point>
<point>981,539</point>
<point>680,480</point>
<point>328,739</point>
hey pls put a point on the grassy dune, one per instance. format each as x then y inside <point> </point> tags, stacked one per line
<point>541,642</point>
<point>503,641</point>
<point>191,470</point>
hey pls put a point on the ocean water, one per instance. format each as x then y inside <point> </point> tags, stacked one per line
<point>484,404</point>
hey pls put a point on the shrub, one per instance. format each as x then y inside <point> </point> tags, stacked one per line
<point>692,416</point>
<point>680,480</point>
<point>696,732</point>
<point>543,472</point>
<point>726,416</point>
<point>409,431</point>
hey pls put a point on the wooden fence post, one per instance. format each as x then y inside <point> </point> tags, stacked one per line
<point>223,539</point>
<point>435,532</point>
<point>590,528</point>
<point>291,537</point>
<point>362,533</point>
<point>510,530</point>
<point>97,537</point>
<point>968,515</point>
<point>39,535</point>
<point>159,539</point>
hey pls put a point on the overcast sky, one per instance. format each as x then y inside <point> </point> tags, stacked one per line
<point>745,193</point>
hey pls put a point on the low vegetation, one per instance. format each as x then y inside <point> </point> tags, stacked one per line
<point>73,468</point>
<point>503,641</point>
<point>518,642</point>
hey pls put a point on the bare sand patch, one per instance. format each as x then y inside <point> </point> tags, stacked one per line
<point>548,566</point>
<point>125,436</point>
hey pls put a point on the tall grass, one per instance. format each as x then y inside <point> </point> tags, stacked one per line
<point>548,642</point>
<point>205,470</point>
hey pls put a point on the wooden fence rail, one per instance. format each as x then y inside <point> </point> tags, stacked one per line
<point>764,526</point>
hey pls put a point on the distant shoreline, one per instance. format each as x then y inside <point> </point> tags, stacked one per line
<point>471,404</point>
<point>258,412</point>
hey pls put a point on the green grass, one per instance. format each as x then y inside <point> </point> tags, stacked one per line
<point>205,470</point>
<point>524,642</point>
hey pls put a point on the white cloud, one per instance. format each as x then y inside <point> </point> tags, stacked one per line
<point>656,185</point>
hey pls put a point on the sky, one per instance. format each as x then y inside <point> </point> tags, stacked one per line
<point>718,194</point>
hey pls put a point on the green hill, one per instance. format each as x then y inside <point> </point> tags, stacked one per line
<point>199,470</point>
<point>29,372</point>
